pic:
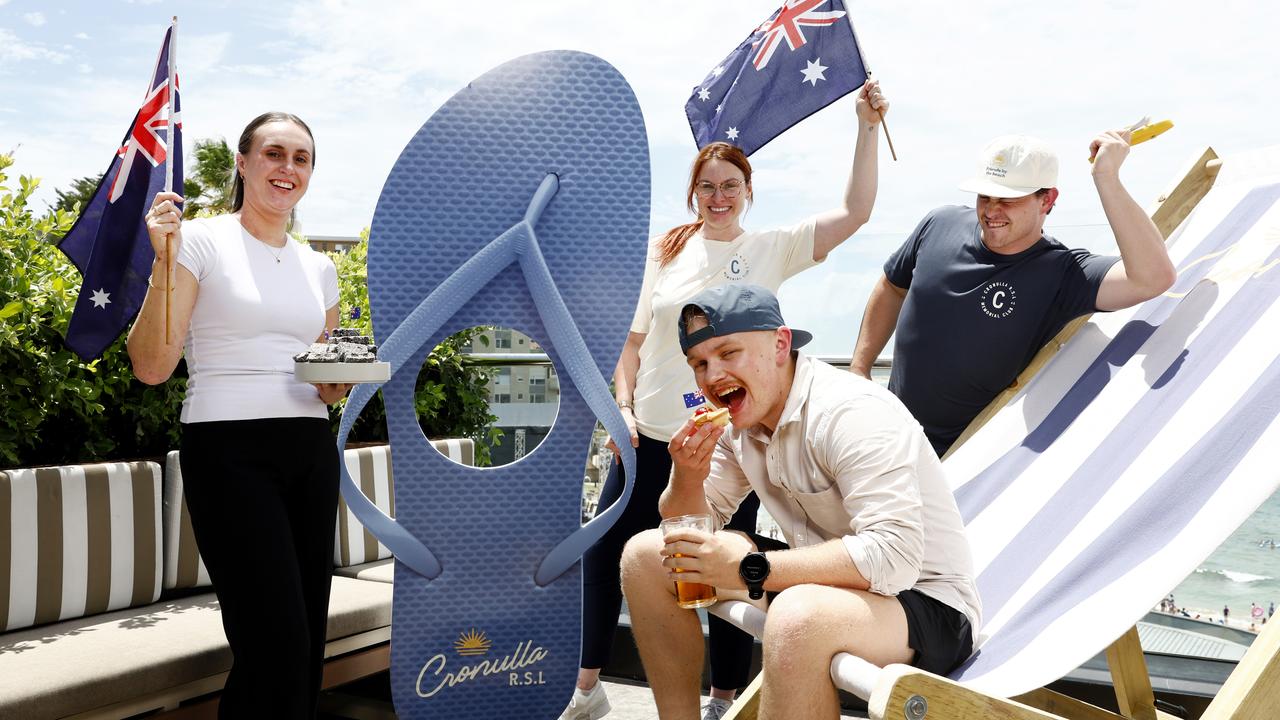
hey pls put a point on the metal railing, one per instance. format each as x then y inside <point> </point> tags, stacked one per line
<point>502,359</point>
<point>520,425</point>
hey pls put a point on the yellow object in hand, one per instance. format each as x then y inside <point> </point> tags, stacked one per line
<point>1146,132</point>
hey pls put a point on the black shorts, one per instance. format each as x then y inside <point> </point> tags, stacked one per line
<point>940,635</point>
<point>764,543</point>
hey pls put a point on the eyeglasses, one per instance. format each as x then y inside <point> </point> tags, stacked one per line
<point>728,188</point>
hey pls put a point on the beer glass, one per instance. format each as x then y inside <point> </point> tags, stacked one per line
<point>690,595</point>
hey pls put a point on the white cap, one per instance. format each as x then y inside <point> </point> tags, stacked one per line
<point>1014,166</point>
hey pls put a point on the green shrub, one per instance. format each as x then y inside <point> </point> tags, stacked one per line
<point>54,407</point>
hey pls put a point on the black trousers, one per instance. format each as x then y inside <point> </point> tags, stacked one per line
<point>730,648</point>
<point>263,500</point>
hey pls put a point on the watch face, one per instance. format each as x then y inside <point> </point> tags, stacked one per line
<point>754,567</point>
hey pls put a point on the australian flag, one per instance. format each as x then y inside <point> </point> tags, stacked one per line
<point>803,58</point>
<point>109,242</point>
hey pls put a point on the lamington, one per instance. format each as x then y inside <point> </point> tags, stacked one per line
<point>345,345</point>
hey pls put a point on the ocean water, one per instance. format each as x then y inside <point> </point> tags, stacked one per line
<point>1240,571</point>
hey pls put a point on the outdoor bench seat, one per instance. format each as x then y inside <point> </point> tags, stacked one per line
<point>105,605</point>
<point>377,571</point>
<point>129,661</point>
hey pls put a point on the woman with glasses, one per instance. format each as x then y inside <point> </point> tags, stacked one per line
<point>656,390</point>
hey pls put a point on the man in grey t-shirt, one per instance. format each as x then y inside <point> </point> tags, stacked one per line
<point>973,296</point>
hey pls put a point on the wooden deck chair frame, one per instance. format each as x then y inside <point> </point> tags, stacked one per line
<point>899,691</point>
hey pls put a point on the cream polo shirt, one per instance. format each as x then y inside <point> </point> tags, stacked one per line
<point>848,461</point>
<point>761,258</point>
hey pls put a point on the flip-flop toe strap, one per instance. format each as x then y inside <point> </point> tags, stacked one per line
<point>519,243</point>
<point>399,348</point>
<point>581,368</point>
<point>407,548</point>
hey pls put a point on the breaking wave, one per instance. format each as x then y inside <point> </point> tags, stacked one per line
<point>1234,576</point>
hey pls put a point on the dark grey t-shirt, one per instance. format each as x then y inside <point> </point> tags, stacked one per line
<point>973,319</point>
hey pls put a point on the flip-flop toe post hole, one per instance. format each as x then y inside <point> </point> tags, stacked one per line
<point>482,637</point>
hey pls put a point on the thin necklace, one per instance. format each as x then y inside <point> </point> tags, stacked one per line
<point>276,255</point>
<point>240,219</point>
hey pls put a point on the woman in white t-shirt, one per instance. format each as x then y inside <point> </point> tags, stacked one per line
<point>259,461</point>
<point>656,389</point>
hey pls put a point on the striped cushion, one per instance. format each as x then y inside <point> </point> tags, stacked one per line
<point>78,540</point>
<point>370,468</point>
<point>183,567</point>
<point>459,450</point>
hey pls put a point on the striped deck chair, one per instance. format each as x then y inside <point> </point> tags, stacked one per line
<point>1132,447</point>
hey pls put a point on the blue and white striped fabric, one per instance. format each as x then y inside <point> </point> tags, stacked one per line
<point>1148,439</point>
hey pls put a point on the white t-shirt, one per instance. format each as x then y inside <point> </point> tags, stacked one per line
<point>252,315</point>
<point>761,258</point>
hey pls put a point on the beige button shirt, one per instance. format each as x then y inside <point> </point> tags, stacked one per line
<point>848,461</point>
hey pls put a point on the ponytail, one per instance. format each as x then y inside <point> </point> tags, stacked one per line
<point>674,241</point>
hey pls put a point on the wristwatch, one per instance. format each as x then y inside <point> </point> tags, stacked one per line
<point>753,570</point>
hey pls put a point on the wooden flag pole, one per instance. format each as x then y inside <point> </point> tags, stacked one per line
<point>867,69</point>
<point>885,125</point>
<point>168,290</point>
<point>170,266</point>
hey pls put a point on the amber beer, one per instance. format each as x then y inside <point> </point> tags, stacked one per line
<point>690,595</point>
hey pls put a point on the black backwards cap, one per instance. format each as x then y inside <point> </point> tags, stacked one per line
<point>735,308</point>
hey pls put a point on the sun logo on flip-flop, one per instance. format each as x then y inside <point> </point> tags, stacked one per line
<point>472,642</point>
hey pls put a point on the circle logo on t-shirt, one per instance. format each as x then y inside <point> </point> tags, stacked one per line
<point>998,299</point>
<point>737,267</point>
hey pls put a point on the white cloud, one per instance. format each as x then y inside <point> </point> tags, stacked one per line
<point>366,77</point>
<point>81,36</point>
<point>829,303</point>
<point>13,49</point>
<point>34,19</point>
<point>350,60</point>
<point>84,68</point>
<point>257,71</point>
<point>202,51</point>
<point>1074,76</point>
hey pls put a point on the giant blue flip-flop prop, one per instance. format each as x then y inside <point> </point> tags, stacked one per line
<point>523,202</point>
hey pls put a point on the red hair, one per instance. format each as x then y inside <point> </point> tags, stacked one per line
<point>674,240</point>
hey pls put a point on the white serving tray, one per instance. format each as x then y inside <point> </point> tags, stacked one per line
<point>339,372</point>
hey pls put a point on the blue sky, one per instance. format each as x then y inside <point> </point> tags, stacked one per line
<point>366,75</point>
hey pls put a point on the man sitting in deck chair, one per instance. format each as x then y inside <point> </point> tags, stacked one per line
<point>879,565</point>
